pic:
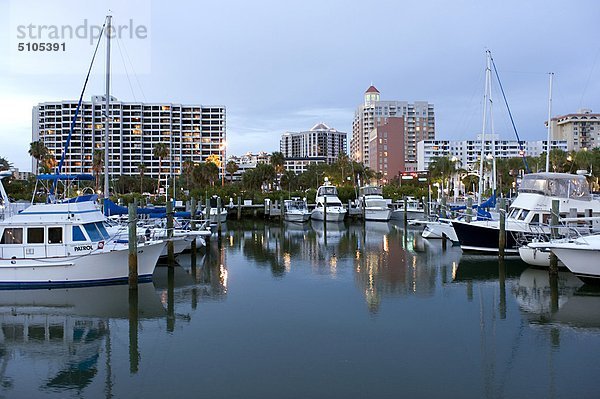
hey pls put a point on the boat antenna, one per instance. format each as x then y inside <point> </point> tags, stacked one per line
<point>74,120</point>
<point>512,121</point>
<point>106,108</point>
<point>549,138</point>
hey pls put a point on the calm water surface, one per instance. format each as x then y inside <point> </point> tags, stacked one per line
<point>287,311</point>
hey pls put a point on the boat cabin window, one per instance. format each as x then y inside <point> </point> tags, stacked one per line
<point>535,219</point>
<point>93,232</point>
<point>12,236</point>
<point>55,235</point>
<point>102,230</point>
<point>513,213</point>
<point>35,235</point>
<point>78,234</point>
<point>523,214</point>
<point>370,191</point>
<point>328,190</point>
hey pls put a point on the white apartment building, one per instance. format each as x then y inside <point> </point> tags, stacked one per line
<point>191,132</point>
<point>320,141</point>
<point>580,130</point>
<point>467,152</point>
<point>419,124</point>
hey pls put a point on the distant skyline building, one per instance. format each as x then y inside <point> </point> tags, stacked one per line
<point>192,132</point>
<point>320,144</point>
<point>419,124</point>
<point>247,161</point>
<point>468,152</point>
<point>580,130</point>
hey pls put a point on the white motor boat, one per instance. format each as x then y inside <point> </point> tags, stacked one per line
<point>67,244</point>
<point>334,211</point>
<point>414,210</point>
<point>296,210</point>
<point>580,255</point>
<point>375,206</point>
<point>530,214</point>
<point>212,214</point>
<point>441,228</point>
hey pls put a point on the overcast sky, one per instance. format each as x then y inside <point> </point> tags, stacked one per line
<point>281,66</point>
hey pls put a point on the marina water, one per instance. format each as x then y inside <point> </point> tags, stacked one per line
<point>310,311</point>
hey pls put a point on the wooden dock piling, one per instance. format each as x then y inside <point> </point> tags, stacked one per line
<point>133,260</point>
<point>502,232</point>
<point>170,245</point>
<point>193,228</point>
<point>554,234</point>
<point>469,209</point>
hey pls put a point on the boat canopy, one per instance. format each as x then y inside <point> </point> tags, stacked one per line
<point>370,190</point>
<point>112,209</point>
<point>561,185</point>
<point>66,177</point>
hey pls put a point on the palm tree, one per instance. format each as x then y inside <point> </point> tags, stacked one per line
<point>97,163</point>
<point>4,164</point>
<point>187,168</point>
<point>210,172</point>
<point>231,168</point>
<point>39,152</point>
<point>160,151</point>
<point>442,168</point>
<point>141,169</point>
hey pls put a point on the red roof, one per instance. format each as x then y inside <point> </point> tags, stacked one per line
<point>372,89</point>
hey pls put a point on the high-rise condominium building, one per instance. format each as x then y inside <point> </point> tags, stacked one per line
<point>320,144</point>
<point>580,130</point>
<point>419,124</point>
<point>190,132</point>
<point>467,152</point>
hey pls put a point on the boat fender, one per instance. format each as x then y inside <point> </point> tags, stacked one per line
<point>101,245</point>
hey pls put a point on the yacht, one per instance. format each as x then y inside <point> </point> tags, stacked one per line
<point>213,214</point>
<point>335,211</point>
<point>529,215</point>
<point>296,210</point>
<point>67,244</point>
<point>375,207</point>
<point>578,255</point>
<point>414,209</point>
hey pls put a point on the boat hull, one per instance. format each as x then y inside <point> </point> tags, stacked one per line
<point>439,230</point>
<point>581,262</point>
<point>378,214</point>
<point>535,257</point>
<point>90,269</point>
<point>297,217</point>
<point>482,237</point>
<point>332,216</point>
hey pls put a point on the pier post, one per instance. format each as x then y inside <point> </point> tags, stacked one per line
<point>170,245</point>
<point>363,211</point>
<point>443,207</point>
<point>193,228</point>
<point>239,208</point>
<point>133,260</point>
<point>502,232</point>
<point>281,209</point>
<point>219,216</point>
<point>469,209</point>
<point>588,214</point>
<point>207,208</point>
<point>325,210</point>
<point>425,208</point>
<point>554,235</point>
<point>405,212</point>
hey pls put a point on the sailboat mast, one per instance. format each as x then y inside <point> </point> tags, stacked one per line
<point>482,155</point>
<point>493,139</point>
<point>107,107</point>
<point>549,138</point>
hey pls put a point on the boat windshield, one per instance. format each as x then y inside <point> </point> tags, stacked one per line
<point>295,205</point>
<point>370,191</point>
<point>560,185</point>
<point>327,191</point>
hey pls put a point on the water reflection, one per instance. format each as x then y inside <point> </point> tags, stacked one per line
<point>384,260</point>
<point>63,332</point>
